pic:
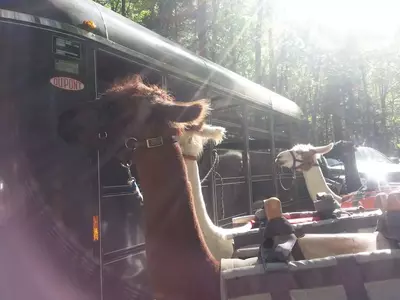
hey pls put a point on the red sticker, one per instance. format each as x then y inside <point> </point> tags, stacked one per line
<point>67,83</point>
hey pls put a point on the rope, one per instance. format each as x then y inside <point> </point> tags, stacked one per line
<point>215,162</point>
<point>292,183</point>
<point>222,194</point>
<point>212,169</point>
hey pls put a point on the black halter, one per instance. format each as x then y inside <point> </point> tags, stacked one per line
<point>301,161</point>
<point>293,169</point>
<point>133,144</point>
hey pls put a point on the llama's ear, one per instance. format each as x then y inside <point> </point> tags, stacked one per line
<point>192,112</point>
<point>214,133</point>
<point>323,149</point>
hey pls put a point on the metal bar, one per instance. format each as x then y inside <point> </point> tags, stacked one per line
<point>295,190</point>
<point>99,193</point>
<point>100,229</point>
<point>164,83</point>
<point>121,254</point>
<point>246,158</point>
<point>231,183</point>
<point>226,123</point>
<point>213,190</point>
<point>96,87</point>
<point>117,195</point>
<point>233,216</point>
<point>212,184</point>
<point>224,107</point>
<point>273,150</point>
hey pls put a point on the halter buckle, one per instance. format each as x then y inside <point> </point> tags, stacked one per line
<point>154,142</point>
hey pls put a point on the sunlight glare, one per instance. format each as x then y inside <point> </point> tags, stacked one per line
<point>365,19</point>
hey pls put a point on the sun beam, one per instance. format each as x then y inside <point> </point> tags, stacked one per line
<point>367,20</point>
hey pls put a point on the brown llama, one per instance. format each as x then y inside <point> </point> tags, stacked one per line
<point>180,265</point>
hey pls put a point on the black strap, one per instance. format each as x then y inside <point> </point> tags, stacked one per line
<point>287,245</point>
<point>133,144</point>
<point>297,253</point>
<point>280,243</point>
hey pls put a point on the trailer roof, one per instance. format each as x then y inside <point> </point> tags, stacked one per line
<point>119,31</point>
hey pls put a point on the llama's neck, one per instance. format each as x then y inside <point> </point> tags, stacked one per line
<point>353,181</point>
<point>179,264</point>
<point>200,207</point>
<point>316,183</point>
<point>218,240</point>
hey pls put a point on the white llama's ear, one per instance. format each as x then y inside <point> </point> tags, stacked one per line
<point>323,149</point>
<point>215,133</point>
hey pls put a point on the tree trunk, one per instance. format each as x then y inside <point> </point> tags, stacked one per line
<point>233,41</point>
<point>326,139</point>
<point>334,106</point>
<point>272,63</point>
<point>201,27</point>
<point>258,35</point>
<point>174,33</point>
<point>350,111</point>
<point>123,8</point>
<point>214,31</point>
<point>367,128</point>
<point>164,18</point>
<point>315,105</point>
<point>383,95</point>
<point>337,127</point>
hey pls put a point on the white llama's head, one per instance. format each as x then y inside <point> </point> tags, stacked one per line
<point>192,141</point>
<point>302,157</point>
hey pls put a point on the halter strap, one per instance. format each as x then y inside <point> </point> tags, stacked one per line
<point>293,169</point>
<point>295,160</point>
<point>133,144</point>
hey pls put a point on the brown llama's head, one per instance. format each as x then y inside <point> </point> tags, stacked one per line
<point>130,108</point>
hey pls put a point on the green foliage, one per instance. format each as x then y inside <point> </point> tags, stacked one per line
<point>346,92</point>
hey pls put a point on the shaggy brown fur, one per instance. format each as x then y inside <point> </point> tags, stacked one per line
<point>180,265</point>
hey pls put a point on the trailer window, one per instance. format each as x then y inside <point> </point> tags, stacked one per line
<point>230,115</point>
<point>111,68</point>
<point>258,119</point>
<point>185,91</point>
<point>261,160</point>
<point>282,128</point>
